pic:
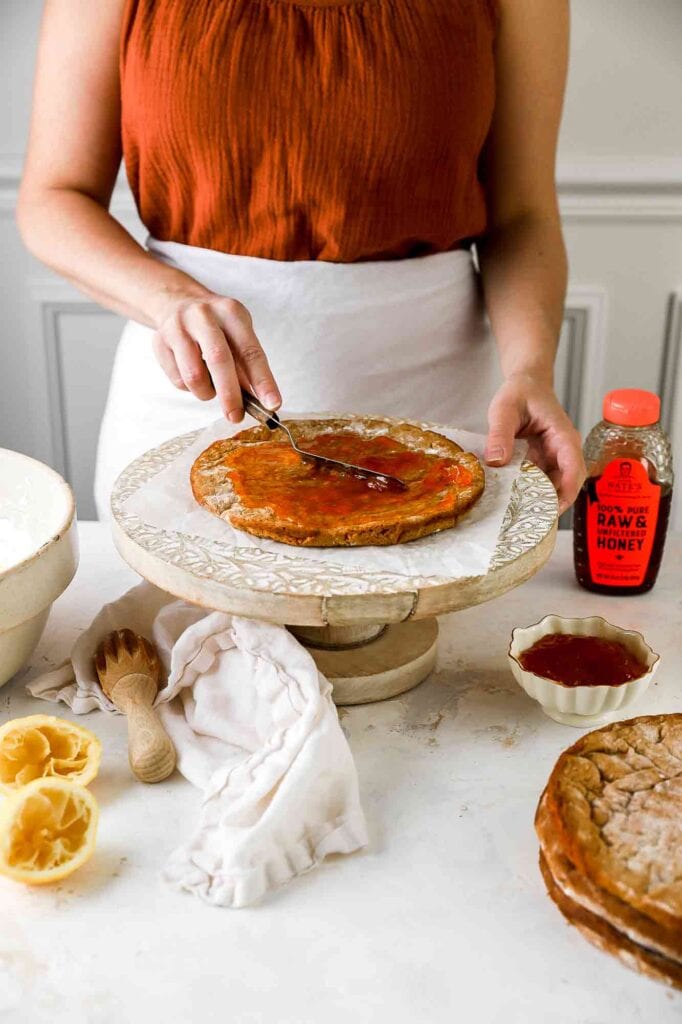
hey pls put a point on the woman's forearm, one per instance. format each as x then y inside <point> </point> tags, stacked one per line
<point>76,236</point>
<point>205,343</point>
<point>524,272</point>
<point>523,267</point>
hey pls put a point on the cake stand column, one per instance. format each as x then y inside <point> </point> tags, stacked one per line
<point>372,661</point>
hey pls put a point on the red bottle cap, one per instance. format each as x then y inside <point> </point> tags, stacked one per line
<point>632,407</point>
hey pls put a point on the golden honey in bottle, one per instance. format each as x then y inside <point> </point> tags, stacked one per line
<point>622,511</point>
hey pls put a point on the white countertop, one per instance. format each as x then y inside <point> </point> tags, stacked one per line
<point>443,920</point>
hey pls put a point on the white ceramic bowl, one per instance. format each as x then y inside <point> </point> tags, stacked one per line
<point>581,706</point>
<point>38,553</point>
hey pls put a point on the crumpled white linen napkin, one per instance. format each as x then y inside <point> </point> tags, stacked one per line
<point>255,729</point>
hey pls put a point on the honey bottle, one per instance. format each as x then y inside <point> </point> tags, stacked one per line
<point>622,511</point>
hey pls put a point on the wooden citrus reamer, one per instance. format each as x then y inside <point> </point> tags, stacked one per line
<point>128,670</point>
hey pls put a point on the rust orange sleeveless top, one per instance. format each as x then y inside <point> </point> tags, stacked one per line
<point>340,130</point>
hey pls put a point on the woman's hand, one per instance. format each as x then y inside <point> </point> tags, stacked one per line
<point>207,345</point>
<point>527,407</point>
<point>521,255</point>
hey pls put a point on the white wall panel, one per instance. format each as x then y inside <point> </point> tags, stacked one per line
<point>19,24</point>
<point>623,95</point>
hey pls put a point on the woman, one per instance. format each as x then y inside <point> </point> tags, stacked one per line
<point>313,174</point>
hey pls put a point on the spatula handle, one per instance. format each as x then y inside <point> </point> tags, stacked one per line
<point>255,408</point>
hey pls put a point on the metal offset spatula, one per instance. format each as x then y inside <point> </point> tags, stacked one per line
<point>271,420</point>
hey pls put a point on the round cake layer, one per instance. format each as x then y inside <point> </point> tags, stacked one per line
<point>637,927</point>
<point>258,483</point>
<point>607,938</point>
<point>615,800</point>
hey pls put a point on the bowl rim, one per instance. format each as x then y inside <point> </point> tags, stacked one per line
<point>64,526</point>
<point>583,618</point>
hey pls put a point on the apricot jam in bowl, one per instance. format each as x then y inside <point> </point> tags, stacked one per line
<point>582,672</point>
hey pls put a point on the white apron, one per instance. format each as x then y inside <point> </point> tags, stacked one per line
<point>404,338</point>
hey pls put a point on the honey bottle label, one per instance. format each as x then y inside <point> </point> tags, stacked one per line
<point>622,512</point>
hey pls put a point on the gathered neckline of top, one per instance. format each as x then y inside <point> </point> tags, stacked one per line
<point>318,3</point>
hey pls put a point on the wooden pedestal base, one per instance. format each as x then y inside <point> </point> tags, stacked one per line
<point>368,663</point>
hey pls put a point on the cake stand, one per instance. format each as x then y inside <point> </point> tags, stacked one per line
<point>373,635</point>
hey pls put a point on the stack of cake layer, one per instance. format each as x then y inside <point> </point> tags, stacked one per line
<point>610,828</point>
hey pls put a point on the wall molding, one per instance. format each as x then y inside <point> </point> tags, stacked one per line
<point>670,379</point>
<point>10,176</point>
<point>620,188</point>
<point>584,343</point>
<point>585,314</point>
<point>670,390</point>
<point>52,348</point>
<point>122,202</point>
<point>575,324</point>
<point>621,173</point>
<point>617,188</point>
<point>50,299</point>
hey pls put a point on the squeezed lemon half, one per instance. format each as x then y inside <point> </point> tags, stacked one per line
<point>43,746</point>
<point>48,830</point>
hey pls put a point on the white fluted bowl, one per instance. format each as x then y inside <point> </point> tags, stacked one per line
<point>38,553</point>
<point>581,706</point>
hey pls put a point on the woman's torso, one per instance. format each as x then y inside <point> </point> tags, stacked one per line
<point>336,130</point>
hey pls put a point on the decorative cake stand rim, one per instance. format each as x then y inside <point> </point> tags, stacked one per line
<point>290,590</point>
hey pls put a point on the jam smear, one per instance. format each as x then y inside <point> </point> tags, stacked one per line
<point>582,660</point>
<point>271,475</point>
